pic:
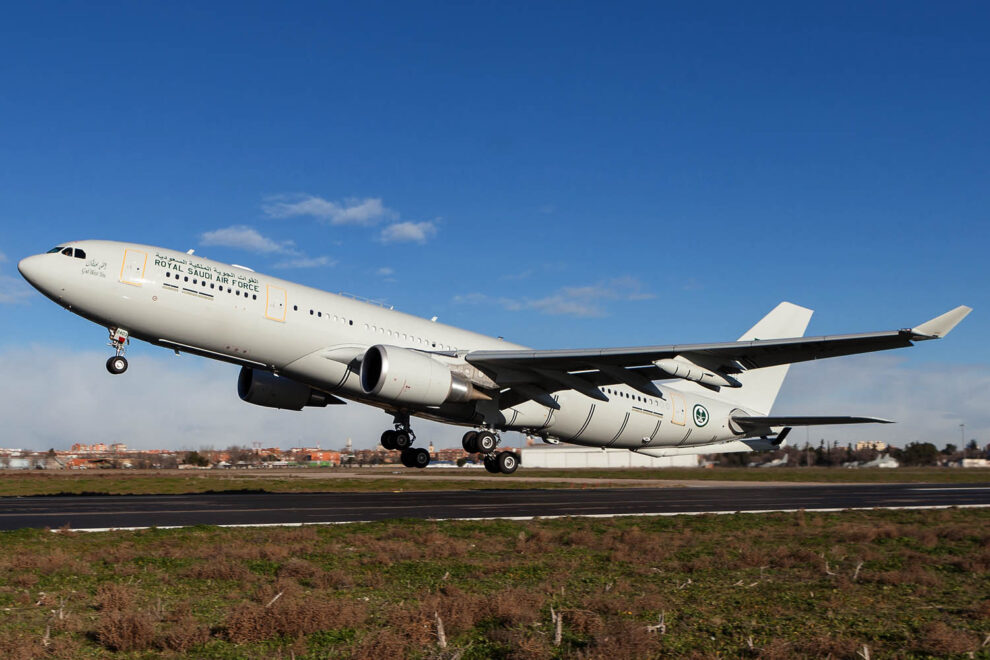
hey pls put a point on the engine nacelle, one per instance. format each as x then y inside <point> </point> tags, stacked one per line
<point>263,388</point>
<point>406,376</point>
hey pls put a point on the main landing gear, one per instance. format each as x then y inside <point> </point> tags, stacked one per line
<point>401,438</point>
<point>118,340</point>
<point>484,442</point>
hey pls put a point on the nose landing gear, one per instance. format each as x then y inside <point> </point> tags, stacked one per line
<point>485,442</point>
<point>118,341</point>
<point>401,438</point>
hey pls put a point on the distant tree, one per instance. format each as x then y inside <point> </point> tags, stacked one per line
<point>920,453</point>
<point>197,459</point>
<point>950,449</point>
<point>972,449</point>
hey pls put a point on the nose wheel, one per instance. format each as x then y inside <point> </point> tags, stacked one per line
<point>118,341</point>
<point>117,364</point>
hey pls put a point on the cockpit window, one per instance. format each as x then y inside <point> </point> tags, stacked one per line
<point>79,254</point>
<point>67,252</point>
<point>54,250</point>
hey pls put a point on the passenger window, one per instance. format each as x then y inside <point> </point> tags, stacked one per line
<point>254,296</point>
<point>79,254</point>
<point>319,314</point>
<point>351,322</point>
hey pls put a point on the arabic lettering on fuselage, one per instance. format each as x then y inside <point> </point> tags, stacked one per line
<point>206,272</point>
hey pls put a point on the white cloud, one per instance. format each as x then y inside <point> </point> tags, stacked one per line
<point>3,258</point>
<point>306,262</point>
<point>243,237</point>
<point>577,301</point>
<point>13,290</point>
<point>408,232</point>
<point>385,271</point>
<point>927,401</point>
<point>351,211</point>
<point>169,402</point>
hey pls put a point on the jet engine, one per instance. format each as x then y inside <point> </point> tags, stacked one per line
<point>408,376</point>
<point>263,388</point>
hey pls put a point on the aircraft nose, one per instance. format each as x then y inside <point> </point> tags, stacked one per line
<point>30,269</point>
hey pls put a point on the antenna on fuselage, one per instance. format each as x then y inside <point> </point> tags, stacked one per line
<point>190,251</point>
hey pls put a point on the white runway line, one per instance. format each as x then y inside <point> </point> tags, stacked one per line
<point>569,515</point>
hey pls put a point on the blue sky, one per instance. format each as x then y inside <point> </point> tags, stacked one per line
<point>562,174</point>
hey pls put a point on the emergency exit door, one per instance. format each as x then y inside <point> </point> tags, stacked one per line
<point>132,270</point>
<point>275,309</point>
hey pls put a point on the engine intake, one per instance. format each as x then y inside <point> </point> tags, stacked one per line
<point>263,388</point>
<point>399,374</point>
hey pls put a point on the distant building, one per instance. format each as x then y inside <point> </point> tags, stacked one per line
<point>593,457</point>
<point>876,445</point>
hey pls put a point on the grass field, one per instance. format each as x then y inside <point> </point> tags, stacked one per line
<point>126,482</point>
<point>887,583</point>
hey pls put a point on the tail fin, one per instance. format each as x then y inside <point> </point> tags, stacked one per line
<point>760,386</point>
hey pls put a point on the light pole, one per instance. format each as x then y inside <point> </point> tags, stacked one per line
<point>962,433</point>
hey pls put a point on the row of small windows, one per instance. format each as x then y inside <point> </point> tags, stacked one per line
<point>203,283</point>
<point>382,331</point>
<point>634,397</point>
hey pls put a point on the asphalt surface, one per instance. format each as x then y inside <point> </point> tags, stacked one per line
<point>129,511</point>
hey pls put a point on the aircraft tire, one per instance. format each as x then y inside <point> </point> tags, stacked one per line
<point>117,364</point>
<point>486,442</point>
<point>406,458</point>
<point>402,440</point>
<point>507,462</point>
<point>469,442</point>
<point>419,457</point>
<point>388,439</point>
<point>491,464</point>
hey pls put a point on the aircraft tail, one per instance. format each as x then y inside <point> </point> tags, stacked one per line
<point>760,386</point>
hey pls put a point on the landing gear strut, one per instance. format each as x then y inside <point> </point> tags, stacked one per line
<point>485,442</point>
<point>401,438</point>
<point>118,341</point>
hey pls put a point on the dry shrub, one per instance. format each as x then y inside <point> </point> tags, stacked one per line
<point>416,629</point>
<point>514,606</point>
<point>536,540</point>
<point>337,579</point>
<point>459,610</point>
<point>938,639</point>
<point>24,580</point>
<point>126,630</point>
<point>300,569</point>
<point>776,649</point>
<point>381,644</point>
<point>522,645</point>
<point>292,616</point>
<point>912,574</point>
<point>112,596</point>
<point>183,633</point>
<point>219,570</point>
<point>580,538</point>
<point>622,638</point>
<point>825,646</point>
<point>54,561</point>
<point>20,645</point>
<point>980,610</point>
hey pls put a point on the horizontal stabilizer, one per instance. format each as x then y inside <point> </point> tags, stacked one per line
<point>942,325</point>
<point>748,422</point>
<point>730,447</point>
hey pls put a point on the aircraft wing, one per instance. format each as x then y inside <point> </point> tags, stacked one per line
<point>757,422</point>
<point>535,374</point>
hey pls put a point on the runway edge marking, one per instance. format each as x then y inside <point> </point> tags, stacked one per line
<point>571,515</point>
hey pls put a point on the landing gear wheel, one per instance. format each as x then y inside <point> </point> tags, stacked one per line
<point>491,464</point>
<point>469,442</point>
<point>486,442</point>
<point>402,439</point>
<point>117,364</point>
<point>406,458</point>
<point>507,462</point>
<point>418,457</point>
<point>388,440</point>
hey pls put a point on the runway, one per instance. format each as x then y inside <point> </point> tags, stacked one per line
<point>140,511</point>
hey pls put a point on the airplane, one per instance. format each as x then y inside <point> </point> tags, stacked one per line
<point>302,347</point>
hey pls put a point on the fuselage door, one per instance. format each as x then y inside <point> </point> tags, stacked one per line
<point>678,415</point>
<point>132,270</point>
<point>276,304</point>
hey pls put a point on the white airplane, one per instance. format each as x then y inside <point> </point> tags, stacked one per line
<point>298,346</point>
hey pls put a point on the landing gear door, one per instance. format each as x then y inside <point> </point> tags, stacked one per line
<point>132,270</point>
<point>275,309</point>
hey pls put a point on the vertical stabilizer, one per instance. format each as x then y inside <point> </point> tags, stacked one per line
<point>760,386</point>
